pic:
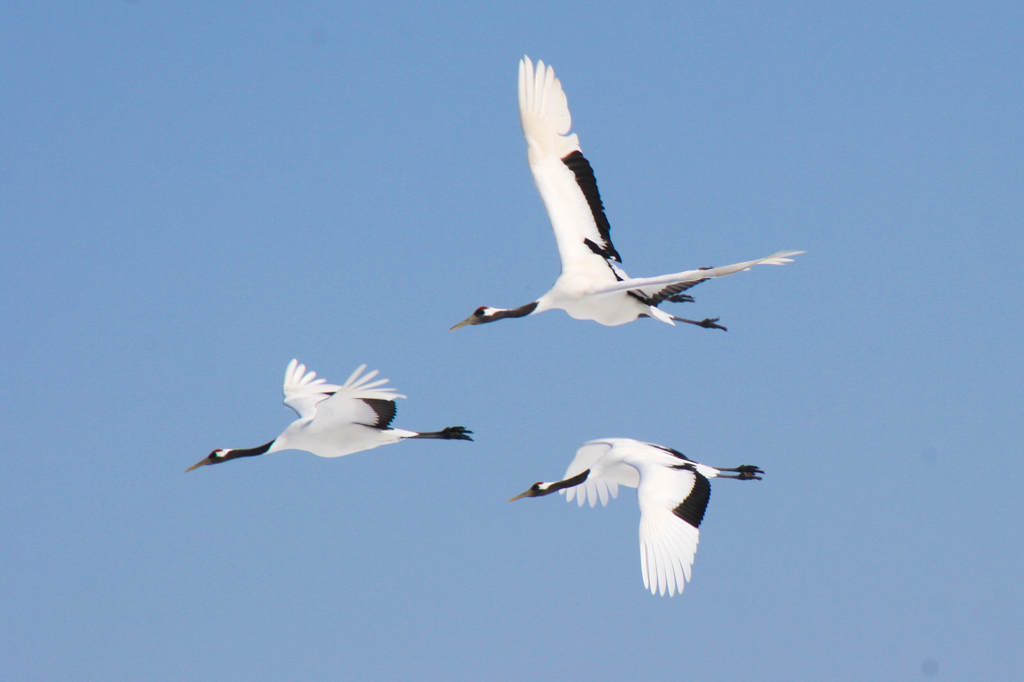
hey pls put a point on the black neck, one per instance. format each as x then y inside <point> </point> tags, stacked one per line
<point>250,452</point>
<point>521,311</point>
<point>568,483</point>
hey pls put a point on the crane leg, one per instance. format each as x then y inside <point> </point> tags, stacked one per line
<point>706,323</point>
<point>744,472</point>
<point>449,433</point>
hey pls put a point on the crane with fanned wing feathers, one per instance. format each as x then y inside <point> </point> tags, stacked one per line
<point>335,420</point>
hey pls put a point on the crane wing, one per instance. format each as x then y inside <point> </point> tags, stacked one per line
<point>672,502</point>
<point>302,390</point>
<point>563,176</point>
<point>306,394</point>
<point>659,293</point>
<point>654,286</point>
<point>604,479</point>
<point>360,401</point>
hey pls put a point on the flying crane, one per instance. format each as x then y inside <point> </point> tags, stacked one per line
<point>592,285</point>
<point>671,489</point>
<point>335,420</point>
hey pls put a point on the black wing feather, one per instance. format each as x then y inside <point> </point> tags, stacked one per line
<point>693,507</point>
<point>673,292</point>
<point>384,409</point>
<point>580,167</point>
<point>674,453</point>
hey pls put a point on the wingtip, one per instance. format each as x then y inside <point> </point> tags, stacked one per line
<point>782,257</point>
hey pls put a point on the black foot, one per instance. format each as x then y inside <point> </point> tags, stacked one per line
<point>710,324</point>
<point>450,433</point>
<point>745,472</point>
<point>456,433</point>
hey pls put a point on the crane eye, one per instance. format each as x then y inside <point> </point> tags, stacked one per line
<point>480,311</point>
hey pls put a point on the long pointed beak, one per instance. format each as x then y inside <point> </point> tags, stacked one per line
<point>203,462</point>
<point>522,495</point>
<point>468,320</point>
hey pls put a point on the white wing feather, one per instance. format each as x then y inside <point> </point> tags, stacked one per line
<point>346,406</point>
<point>587,457</point>
<point>780,258</point>
<point>544,111</point>
<point>303,391</point>
<point>668,544</point>
<point>606,474</point>
<point>544,115</point>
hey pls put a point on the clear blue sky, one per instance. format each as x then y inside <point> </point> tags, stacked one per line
<point>193,193</point>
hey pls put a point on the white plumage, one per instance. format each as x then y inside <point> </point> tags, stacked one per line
<point>335,420</point>
<point>672,491</point>
<point>591,285</point>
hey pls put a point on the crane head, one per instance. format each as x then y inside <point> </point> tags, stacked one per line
<point>487,314</point>
<point>215,457</point>
<point>223,455</point>
<point>538,489</point>
<point>479,316</point>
